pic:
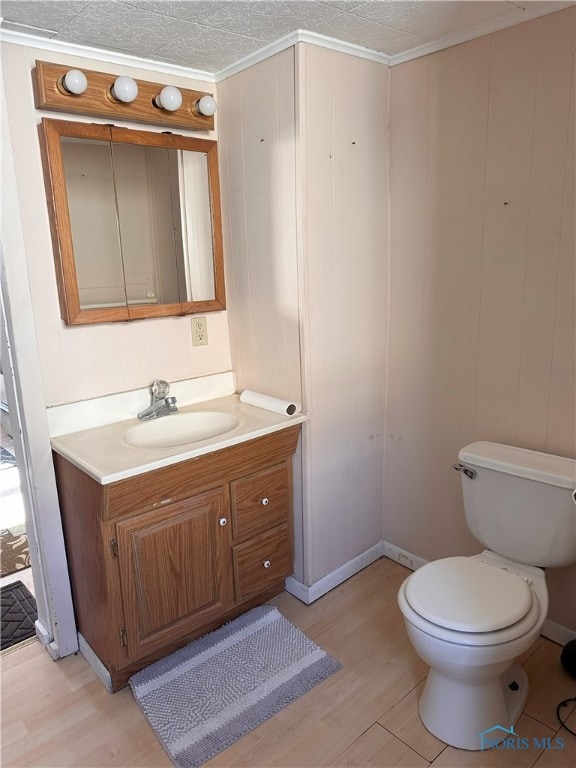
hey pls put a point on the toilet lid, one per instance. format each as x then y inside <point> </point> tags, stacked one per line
<point>468,595</point>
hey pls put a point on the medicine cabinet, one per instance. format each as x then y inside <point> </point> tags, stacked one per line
<point>136,222</point>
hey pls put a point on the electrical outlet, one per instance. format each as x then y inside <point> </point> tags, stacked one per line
<point>199,331</point>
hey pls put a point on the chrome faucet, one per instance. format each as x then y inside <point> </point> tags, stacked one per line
<point>161,405</point>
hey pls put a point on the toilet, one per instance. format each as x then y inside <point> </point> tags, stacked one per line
<point>469,618</point>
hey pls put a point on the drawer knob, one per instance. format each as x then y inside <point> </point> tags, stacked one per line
<point>266,563</point>
<point>265,501</point>
<point>222,521</point>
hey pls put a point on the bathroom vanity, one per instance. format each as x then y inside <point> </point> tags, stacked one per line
<point>165,554</point>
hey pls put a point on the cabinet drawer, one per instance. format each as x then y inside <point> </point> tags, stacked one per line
<point>261,562</point>
<point>261,500</point>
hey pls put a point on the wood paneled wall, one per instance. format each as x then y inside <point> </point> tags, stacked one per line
<point>482,300</point>
<point>304,189</point>
<point>257,161</point>
<point>343,114</point>
<point>257,149</point>
<point>479,289</point>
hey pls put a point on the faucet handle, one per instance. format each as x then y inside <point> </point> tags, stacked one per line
<point>160,388</point>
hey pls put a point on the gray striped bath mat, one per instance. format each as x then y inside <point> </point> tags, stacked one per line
<point>207,695</point>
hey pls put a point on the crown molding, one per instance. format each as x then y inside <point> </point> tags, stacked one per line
<point>300,36</point>
<point>338,45</point>
<point>260,55</point>
<point>101,54</point>
<point>303,36</point>
<point>484,29</point>
<point>113,57</point>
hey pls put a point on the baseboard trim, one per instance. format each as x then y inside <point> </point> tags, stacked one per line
<point>44,637</point>
<point>326,583</point>
<point>93,660</point>
<point>558,633</point>
<point>299,590</point>
<point>551,630</point>
<point>403,557</point>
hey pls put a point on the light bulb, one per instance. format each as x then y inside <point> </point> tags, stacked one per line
<point>124,89</point>
<point>169,98</point>
<point>74,82</point>
<point>206,105</point>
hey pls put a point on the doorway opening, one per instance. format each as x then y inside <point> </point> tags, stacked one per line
<point>17,591</point>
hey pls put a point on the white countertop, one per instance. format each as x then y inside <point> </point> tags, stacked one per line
<point>104,455</point>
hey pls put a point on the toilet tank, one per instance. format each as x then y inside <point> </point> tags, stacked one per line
<point>521,503</point>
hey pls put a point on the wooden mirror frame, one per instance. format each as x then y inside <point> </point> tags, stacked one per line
<point>51,132</point>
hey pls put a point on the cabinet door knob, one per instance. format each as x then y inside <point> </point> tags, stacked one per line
<point>266,563</point>
<point>265,501</point>
<point>222,521</point>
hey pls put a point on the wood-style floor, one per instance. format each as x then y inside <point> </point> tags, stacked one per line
<point>58,714</point>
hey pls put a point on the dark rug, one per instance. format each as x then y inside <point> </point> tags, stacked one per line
<point>14,551</point>
<point>6,459</point>
<point>18,614</point>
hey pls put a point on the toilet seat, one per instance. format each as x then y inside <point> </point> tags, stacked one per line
<point>468,595</point>
<point>515,627</point>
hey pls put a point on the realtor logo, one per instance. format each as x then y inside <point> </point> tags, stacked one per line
<point>499,737</point>
<point>494,736</point>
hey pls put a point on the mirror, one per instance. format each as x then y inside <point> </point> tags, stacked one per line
<point>136,222</point>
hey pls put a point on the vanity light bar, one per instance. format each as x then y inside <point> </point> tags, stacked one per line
<point>104,95</point>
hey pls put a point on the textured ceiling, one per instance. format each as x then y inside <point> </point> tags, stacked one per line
<point>210,35</point>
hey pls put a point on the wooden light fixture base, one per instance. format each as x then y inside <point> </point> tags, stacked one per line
<point>97,100</point>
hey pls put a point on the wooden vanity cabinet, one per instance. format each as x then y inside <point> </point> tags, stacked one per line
<point>161,558</point>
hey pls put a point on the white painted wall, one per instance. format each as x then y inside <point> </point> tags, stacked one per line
<point>83,362</point>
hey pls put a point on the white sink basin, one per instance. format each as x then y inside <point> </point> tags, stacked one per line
<point>179,429</point>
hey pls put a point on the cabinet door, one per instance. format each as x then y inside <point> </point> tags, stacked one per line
<point>175,570</point>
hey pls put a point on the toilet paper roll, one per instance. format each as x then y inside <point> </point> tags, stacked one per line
<point>285,407</point>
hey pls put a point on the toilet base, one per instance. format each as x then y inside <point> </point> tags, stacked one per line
<point>460,713</point>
